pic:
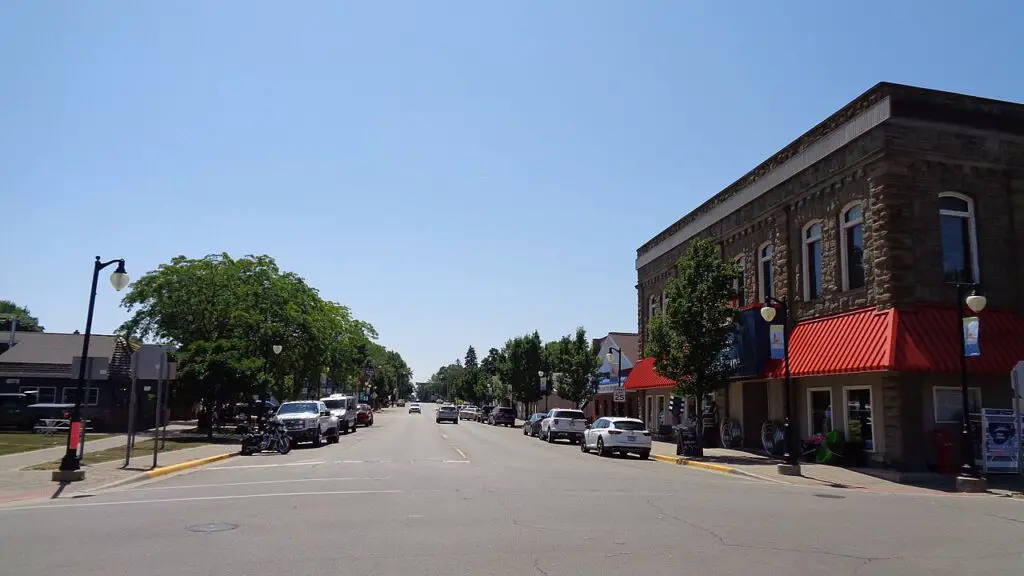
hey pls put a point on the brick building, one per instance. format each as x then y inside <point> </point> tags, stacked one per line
<point>861,224</point>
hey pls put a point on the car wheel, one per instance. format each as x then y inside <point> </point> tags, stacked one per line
<point>645,454</point>
<point>600,447</point>
<point>354,427</point>
<point>437,421</point>
<point>318,440</point>
<point>524,430</point>
<point>583,447</point>
<point>550,438</point>
<point>337,436</point>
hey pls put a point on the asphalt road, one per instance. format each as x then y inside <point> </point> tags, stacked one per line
<point>408,496</point>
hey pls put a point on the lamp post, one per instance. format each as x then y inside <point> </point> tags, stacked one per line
<point>969,480</point>
<point>791,467</point>
<point>542,382</point>
<point>69,465</point>
<point>276,349</point>
<point>618,371</point>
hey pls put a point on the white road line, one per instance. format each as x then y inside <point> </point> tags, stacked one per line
<point>258,482</point>
<point>310,463</point>
<point>201,498</point>
<point>445,436</point>
<point>461,453</point>
<point>455,461</point>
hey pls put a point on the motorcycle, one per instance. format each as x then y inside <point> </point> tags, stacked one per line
<point>271,437</point>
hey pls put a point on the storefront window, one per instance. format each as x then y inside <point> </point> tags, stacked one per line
<point>949,404</point>
<point>819,403</point>
<point>860,425</point>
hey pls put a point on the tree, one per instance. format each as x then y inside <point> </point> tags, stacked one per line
<point>577,366</point>
<point>688,338</point>
<point>492,367</point>
<point>524,359</point>
<point>26,322</point>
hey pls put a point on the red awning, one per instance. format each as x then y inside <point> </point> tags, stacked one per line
<point>644,376</point>
<point>858,341</point>
<point>929,341</point>
<point>922,339</point>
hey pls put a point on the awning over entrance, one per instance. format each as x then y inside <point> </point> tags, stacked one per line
<point>644,376</point>
<point>923,339</point>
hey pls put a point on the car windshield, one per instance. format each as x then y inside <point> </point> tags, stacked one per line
<point>364,407</point>
<point>447,408</point>
<point>297,408</point>
<point>629,425</point>
<point>334,404</point>
<point>569,415</point>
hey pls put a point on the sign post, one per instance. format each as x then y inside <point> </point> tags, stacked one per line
<point>1017,385</point>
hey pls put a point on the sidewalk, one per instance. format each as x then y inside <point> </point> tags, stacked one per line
<point>18,485</point>
<point>761,467</point>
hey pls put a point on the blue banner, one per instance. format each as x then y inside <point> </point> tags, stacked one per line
<point>972,331</point>
<point>748,346</point>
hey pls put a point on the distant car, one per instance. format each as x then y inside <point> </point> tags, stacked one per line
<point>415,409</point>
<point>469,413</point>
<point>308,421</point>
<point>485,413</point>
<point>401,403</point>
<point>532,426</point>
<point>622,435</point>
<point>447,413</point>
<point>568,424</point>
<point>502,416</point>
<point>365,415</point>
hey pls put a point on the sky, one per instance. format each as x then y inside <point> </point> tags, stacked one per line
<point>457,173</point>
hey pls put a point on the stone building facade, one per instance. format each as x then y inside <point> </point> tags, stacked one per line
<point>878,207</point>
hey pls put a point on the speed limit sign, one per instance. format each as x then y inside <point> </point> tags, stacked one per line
<point>619,395</point>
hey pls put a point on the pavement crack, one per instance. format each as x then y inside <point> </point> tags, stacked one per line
<point>536,566</point>
<point>1018,521</point>
<point>725,543</point>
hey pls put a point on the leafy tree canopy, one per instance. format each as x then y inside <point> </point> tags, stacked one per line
<point>26,322</point>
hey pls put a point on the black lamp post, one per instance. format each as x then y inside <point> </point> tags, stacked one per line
<point>264,396</point>
<point>618,372</point>
<point>791,438</point>
<point>976,302</point>
<point>119,280</point>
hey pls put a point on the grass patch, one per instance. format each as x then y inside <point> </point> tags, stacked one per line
<point>142,447</point>
<point>15,442</point>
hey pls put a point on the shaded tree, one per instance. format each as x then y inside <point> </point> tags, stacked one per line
<point>26,322</point>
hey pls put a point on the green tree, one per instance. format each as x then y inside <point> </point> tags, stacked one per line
<point>577,367</point>
<point>524,359</point>
<point>26,322</point>
<point>492,367</point>
<point>687,339</point>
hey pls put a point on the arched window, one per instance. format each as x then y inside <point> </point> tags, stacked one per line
<point>812,261</point>
<point>652,306</point>
<point>851,245</point>
<point>958,229</point>
<point>739,285</point>
<point>765,284</point>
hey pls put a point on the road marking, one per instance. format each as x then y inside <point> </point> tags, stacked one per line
<point>362,461</point>
<point>201,498</point>
<point>311,463</point>
<point>461,453</point>
<point>455,461</point>
<point>258,482</point>
<point>445,436</point>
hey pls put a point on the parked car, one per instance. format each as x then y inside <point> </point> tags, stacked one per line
<point>308,421</point>
<point>415,409</point>
<point>568,424</point>
<point>485,413</point>
<point>532,426</point>
<point>364,415</point>
<point>401,403</point>
<point>617,435</point>
<point>502,416</point>
<point>469,413</point>
<point>344,409</point>
<point>447,413</point>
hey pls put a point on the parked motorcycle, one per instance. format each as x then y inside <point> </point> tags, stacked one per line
<point>271,437</point>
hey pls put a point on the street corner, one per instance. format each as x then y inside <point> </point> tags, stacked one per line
<point>713,467</point>
<point>164,471</point>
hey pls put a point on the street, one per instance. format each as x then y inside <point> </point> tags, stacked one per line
<point>408,496</point>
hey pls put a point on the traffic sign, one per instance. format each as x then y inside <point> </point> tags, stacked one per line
<point>1017,379</point>
<point>619,395</point>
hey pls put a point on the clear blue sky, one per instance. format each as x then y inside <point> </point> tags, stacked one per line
<point>455,172</point>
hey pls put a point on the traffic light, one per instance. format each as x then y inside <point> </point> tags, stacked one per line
<point>677,406</point>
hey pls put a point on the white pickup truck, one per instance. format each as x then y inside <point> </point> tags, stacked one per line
<point>569,424</point>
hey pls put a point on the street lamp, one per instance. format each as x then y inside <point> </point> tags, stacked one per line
<point>618,373</point>
<point>69,465</point>
<point>276,349</point>
<point>790,439</point>
<point>540,374</point>
<point>976,302</point>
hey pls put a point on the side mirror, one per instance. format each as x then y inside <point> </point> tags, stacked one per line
<point>588,426</point>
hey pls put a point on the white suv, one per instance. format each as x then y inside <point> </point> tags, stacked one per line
<point>569,424</point>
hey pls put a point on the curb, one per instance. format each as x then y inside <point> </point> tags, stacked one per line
<point>721,469</point>
<point>165,470</point>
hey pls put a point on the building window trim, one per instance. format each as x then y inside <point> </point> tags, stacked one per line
<point>971,215</point>
<point>761,260</point>
<point>92,395</point>
<point>935,404</point>
<point>874,415</point>
<point>810,407</point>
<point>52,393</point>
<point>844,253</point>
<point>740,283</point>
<point>806,243</point>
<point>652,306</point>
